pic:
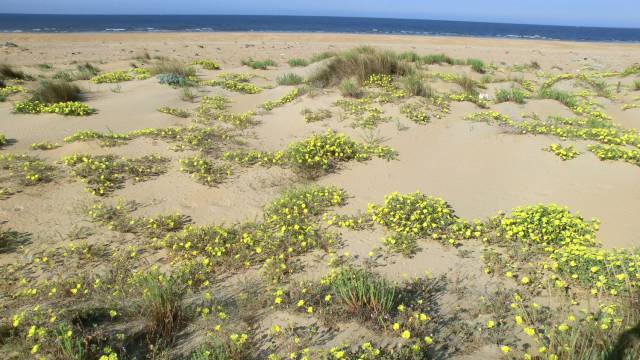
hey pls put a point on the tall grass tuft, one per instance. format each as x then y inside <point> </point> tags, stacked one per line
<point>86,71</point>
<point>162,304</point>
<point>437,59</point>
<point>171,66</point>
<point>289,79</point>
<point>359,64</point>
<point>559,95</point>
<point>477,65</point>
<point>467,84</point>
<point>8,72</point>
<point>55,91</point>
<point>298,62</point>
<point>414,85</point>
<point>350,88</point>
<point>321,56</point>
<point>410,56</point>
<point>361,291</point>
<point>258,64</point>
<point>635,86</point>
<point>516,95</point>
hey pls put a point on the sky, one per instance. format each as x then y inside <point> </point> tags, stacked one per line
<point>612,13</point>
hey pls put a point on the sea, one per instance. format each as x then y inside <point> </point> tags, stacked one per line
<point>10,23</point>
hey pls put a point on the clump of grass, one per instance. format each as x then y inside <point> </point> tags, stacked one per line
<point>364,293</point>
<point>258,64</point>
<point>468,85</point>
<point>514,94</point>
<point>289,79</point>
<point>635,86</point>
<point>44,66</point>
<point>298,62</point>
<point>359,64</point>
<point>350,88</point>
<point>318,115</point>
<point>162,297</point>
<point>321,56</point>
<point>51,92</point>
<point>410,56</point>
<point>414,85</point>
<point>477,65</point>
<point>85,71</point>
<point>204,170</point>
<point>437,59</point>
<point>9,72</point>
<point>186,94</point>
<point>559,95</point>
<point>170,66</point>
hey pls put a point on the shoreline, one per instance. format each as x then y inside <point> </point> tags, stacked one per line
<point>284,35</point>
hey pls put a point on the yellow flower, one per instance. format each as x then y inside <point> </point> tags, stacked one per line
<point>525,280</point>
<point>563,327</point>
<point>406,334</point>
<point>428,340</point>
<point>395,326</point>
<point>490,324</point>
<point>529,331</point>
<point>505,349</point>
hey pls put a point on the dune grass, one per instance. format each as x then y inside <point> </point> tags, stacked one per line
<point>468,85</point>
<point>437,59</point>
<point>559,95</point>
<point>289,79</point>
<point>298,62</point>
<point>172,66</point>
<point>477,65</point>
<point>414,85</point>
<point>56,91</point>
<point>258,64</point>
<point>350,88</point>
<point>359,64</point>
<point>505,95</point>
<point>9,72</point>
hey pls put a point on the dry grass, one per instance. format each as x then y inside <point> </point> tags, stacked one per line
<point>359,64</point>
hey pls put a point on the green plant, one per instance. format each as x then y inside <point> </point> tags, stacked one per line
<point>350,88</point>
<point>112,77</point>
<point>365,293</point>
<point>477,65</point>
<point>170,66</point>
<point>51,92</point>
<point>162,297</point>
<point>186,94</point>
<point>285,99</point>
<point>563,152</point>
<point>289,79</point>
<point>298,62</point>
<point>413,85</point>
<point>181,113</point>
<point>468,85</point>
<point>359,64</point>
<point>559,95</point>
<point>27,170</point>
<point>258,64</point>
<point>318,115</point>
<point>410,56</point>
<point>44,146</point>
<point>85,71</point>
<point>70,108</point>
<point>207,64</point>
<point>635,86</point>
<point>514,94</point>
<point>8,72</point>
<point>204,170</point>
<point>437,59</point>
<point>321,56</point>
<point>105,173</point>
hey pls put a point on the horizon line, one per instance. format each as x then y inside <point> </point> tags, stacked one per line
<point>340,16</point>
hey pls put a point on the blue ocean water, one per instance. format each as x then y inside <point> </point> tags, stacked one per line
<point>319,24</point>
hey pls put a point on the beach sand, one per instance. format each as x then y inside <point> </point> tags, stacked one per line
<point>480,169</point>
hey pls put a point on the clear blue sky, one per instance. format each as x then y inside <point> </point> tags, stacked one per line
<point>618,13</point>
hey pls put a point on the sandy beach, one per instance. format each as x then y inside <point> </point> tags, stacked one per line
<point>480,168</point>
